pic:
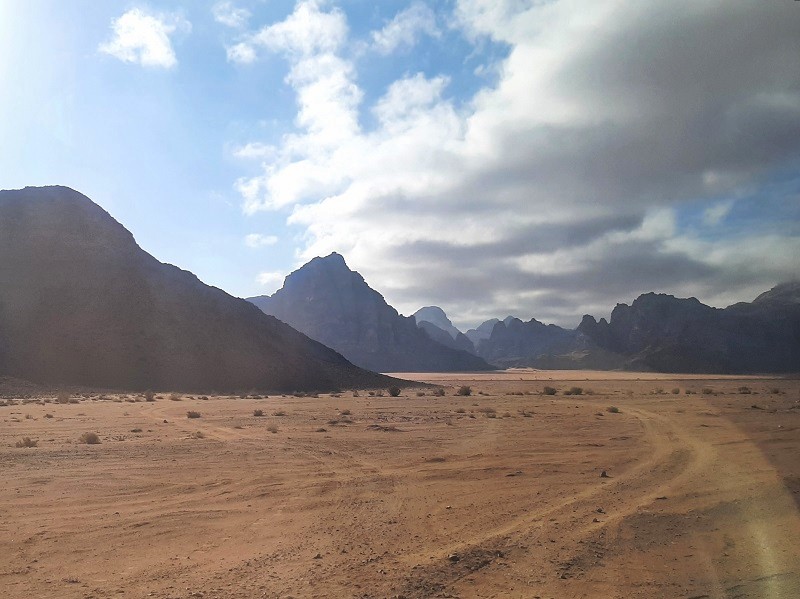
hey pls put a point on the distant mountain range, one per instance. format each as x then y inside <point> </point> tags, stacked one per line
<point>657,332</point>
<point>334,305</point>
<point>81,303</point>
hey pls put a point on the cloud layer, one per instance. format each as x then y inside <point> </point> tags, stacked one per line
<point>564,186</point>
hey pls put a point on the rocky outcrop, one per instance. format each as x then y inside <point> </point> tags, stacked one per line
<point>517,343</point>
<point>482,331</point>
<point>334,305</point>
<point>82,304</point>
<point>668,334</point>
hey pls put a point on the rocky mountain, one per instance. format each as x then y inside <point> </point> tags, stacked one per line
<point>434,321</point>
<point>482,331</point>
<point>436,316</point>
<point>82,304</point>
<point>513,342</point>
<point>665,333</point>
<point>334,305</point>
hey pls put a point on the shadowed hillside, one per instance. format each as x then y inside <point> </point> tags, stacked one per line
<point>81,303</point>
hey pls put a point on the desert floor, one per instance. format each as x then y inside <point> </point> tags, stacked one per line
<point>498,494</point>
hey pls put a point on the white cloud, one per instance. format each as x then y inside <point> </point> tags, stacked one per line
<point>255,150</point>
<point>404,29</point>
<point>713,215</point>
<point>242,53</point>
<point>227,14</point>
<point>270,281</point>
<point>257,240</point>
<point>565,176</point>
<point>144,38</point>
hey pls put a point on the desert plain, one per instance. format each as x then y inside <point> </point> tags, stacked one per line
<point>642,485</point>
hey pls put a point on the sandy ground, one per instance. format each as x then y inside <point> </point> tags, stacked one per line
<point>498,494</point>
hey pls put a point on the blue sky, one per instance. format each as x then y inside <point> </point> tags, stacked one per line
<point>509,157</point>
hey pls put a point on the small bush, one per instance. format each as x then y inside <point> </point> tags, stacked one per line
<point>62,397</point>
<point>149,395</point>
<point>612,409</point>
<point>258,412</point>
<point>464,391</point>
<point>279,413</point>
<point>175,397</point>
<point>676,391</point>
<point>26,442</point>
<point>394,391</point>
<point>272,428</point>
<point>549,391</point>
<point>356,394</point>
<point>460,411</point>
<point>439,392</point>
<point>574,391</point>
<point>48,415</point>
<point>775,391</point>
<point>90,438</point>
<point>420,394</point>
<point>198,435</point>
<point>708,391</point>
<point>192,414</point>
<point>345,413</point>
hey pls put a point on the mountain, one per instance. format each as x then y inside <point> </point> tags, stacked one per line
<point>483,331</point>
<point>436,316</point>
<point>82,304</point>
<point>434,321</point>
<point>334,305</point>
<point>514,343</point>
<point>669,334</point>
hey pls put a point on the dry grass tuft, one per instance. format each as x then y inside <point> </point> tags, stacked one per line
<point>90,438</point>
<point>192,414</point>
<point>26,442</point>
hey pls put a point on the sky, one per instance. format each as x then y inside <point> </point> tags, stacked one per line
<point>542,159</point>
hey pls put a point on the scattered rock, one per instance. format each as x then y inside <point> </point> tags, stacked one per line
<point>604,474</point>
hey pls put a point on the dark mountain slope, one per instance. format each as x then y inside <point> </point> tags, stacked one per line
<point>334,305</point>
<point>664,333</point>
<point>81,303</point>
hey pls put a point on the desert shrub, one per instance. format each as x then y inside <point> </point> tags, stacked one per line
<point>394,391</point>
<point>775,391</point>
<point>62,397</point>
<point>708,391</point>
<point>420,394</point>
<point>439,392</point>
<point>574,391</point>
<point>198,435</point>
<point>149,396</point>
<point>48,415</point>
<point>90,438</point>
<point>688,392</point>
<point>460,411</point>
<point>272,428</point>
<point>549,391</point>
<point>192,414</point>
<point>487,410</point>
<point>26,442</point>
<point>136,430</point>
<point>745,390</point>
<point>345,413</point>
<point>356,393</point>
<point>612,409</point>
<point>464,391</point>
<point>379,393</point>
<point>371,394</point>
<point>175,397</point>
<point>321,430</point>
<point>675,391</point>
<point>279,413</point>
<point>258,412</point>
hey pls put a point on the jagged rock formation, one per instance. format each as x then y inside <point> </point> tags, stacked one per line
<point>434,321</point>
<point>82,304</point>
<point>664,333</point>
<point>516,343</point>
<point>334,305</point>
<point>482,331</point>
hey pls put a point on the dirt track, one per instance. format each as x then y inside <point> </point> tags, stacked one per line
<point>494,495</point>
